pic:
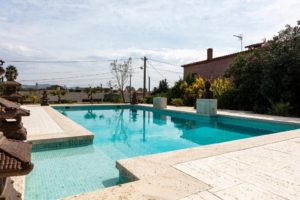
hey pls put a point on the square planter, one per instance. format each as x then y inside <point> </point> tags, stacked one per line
<point>207,107</point>
<point>159,102</point>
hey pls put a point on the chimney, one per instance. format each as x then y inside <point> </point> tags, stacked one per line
<point>209,53</point>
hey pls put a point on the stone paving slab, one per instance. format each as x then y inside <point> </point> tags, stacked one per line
<point>256,173</point>
<point>64,129</point>
<point>39,122</point>
<point>205,195</point>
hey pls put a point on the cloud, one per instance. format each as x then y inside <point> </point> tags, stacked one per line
<point>3,18</point>
<point>174,31</point>
<point>20,50</point>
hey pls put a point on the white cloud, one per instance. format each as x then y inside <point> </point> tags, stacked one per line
<point>3,18</point>
<point>17,49</point>
<point>175,31</point>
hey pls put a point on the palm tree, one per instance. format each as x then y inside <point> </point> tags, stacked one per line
<point>11,73</point>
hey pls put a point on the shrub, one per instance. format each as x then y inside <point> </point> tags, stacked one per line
<point>175,91</point>
<point>142,100</point>
<point>177,102</point>
<point>149,99</point>
<point>112,97</point>
<point>269,74</point>
<point>67,101</point>
<point>228,100</point>
<point>34,99</point>
<point>280,108</point>
<point>219,86</point>
<point>192,90</point>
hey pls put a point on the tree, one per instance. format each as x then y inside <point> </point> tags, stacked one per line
<point>59,93</point>
<point>175,91</point>
<point>163,87</point>
<point>11,73</point>
<point>90,91</point>
<point>121,72</point>
<point>268,78</point>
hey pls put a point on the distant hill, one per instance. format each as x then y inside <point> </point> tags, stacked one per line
<point>39,86</point>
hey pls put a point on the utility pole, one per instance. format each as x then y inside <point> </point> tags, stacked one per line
<point>145,65</point>
<point>1,70</point>
<point>130,88</point>
<point>148,83</point>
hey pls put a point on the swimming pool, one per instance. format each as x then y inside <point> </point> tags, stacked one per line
<point>123,132</point>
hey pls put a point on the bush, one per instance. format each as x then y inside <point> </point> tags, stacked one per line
<point>112,97</point>
<point>142,100</point>
<point>219,86</point>
<point>177,102</point>
<point>280,108</point>
<point>191,90</point>
<point>67,101</point>
<point>34,99</point>
<point>228,100</point>
<point>149,99</point>
<point>270,74</point>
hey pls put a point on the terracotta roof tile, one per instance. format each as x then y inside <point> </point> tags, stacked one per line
<point>15,157</point>
<point>11,83</point>
<point>214,59</point>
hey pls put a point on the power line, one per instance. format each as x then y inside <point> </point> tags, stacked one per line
<point>64,61</point>
<point>170,71</point>
<point>62,78</point>
<point>157,70</point>
<point>71,77</point>
<point>81,79</point>
<point>163,62</point>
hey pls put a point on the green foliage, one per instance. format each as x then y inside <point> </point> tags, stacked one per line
<point>112,97</point>
<point>149,99</point>
<point>185,92</point>
<point>175,91</point>
<point>90,91</point>
<point>270,74</point>
<point>162,88</point>
<point>142,100</point>
<point>280,108</point>
<point>177,102</point>
<point>219,86</point>
<point>59,92</point>
<point>34,99</point>
<point>228,100</point>
<point>54,87</point>
<point>11,73</point>
<point>192,90</point>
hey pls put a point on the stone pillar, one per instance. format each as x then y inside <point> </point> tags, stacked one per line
<point>207,107</point>
<point>159,102</point>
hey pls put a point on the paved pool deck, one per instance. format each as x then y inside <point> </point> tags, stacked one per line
<point>45,126</point>
<point>263,167</point>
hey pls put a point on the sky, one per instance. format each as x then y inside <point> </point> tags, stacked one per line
<point>168,32</point>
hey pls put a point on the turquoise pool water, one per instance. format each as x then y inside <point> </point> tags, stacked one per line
<point>123,132</point>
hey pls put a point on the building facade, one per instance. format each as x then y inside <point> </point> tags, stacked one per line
<point>214,67</point>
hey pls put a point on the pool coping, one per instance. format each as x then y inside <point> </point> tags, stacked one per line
<point>154,176</point>
<point>72,132</point>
